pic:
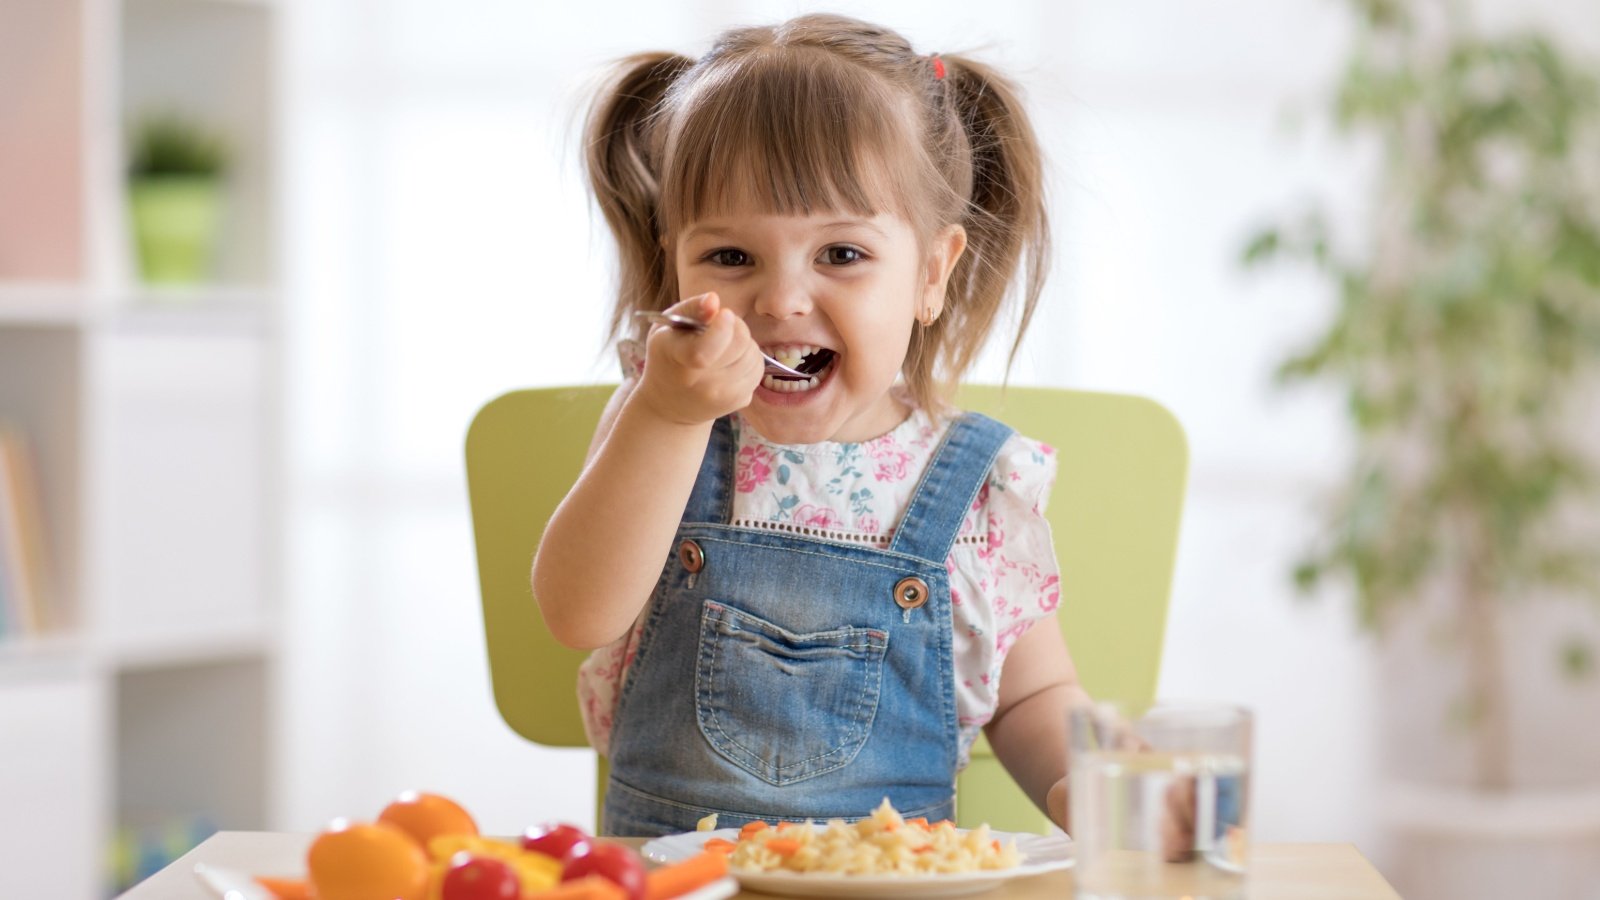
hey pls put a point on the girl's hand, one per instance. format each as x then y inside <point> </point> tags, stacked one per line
<point>1055,803</point>
<point>692,378</point>
<point>1178,820</point>
<point>1177,816</point>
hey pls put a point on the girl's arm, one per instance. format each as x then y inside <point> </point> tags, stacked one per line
<point>1038,684</point>
<point>603,548</point>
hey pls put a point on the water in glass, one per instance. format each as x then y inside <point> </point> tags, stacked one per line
<point>1153,822</point>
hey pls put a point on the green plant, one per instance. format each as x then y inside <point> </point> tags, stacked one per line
<point>1467,320</point>
<point>169,144</point>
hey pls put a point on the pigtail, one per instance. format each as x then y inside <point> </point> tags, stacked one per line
<point>1005,218</point>
<point>621,164</point>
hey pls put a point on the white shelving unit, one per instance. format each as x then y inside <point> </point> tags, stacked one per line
<point>153,416</point>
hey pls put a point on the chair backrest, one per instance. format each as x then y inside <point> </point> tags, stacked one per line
<point>1114,513</point>
<point>524,452</point>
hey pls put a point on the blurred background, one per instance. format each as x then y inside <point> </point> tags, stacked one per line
<point>262,260</point>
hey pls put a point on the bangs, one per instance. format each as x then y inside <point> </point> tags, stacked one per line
<point>786,133</point>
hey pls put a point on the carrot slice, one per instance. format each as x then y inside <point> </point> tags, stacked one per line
<point>590,887</point>
<point>783,846</point>
<point>286,888</point>
<point>718,845</point>
<point>752,827</point>
<point>919,821</point>
<point>682,877</point>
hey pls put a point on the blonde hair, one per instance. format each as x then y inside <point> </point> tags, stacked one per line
<point>827,113</point>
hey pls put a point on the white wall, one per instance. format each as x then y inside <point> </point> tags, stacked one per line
<point>442,253</point>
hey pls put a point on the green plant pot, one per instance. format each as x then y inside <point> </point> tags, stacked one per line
<point>175,222</point>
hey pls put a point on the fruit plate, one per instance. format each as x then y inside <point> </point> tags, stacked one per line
<point>232,884</point>
<point>1040,853</point>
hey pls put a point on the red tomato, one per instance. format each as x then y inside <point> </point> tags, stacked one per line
<point>554,840</point>
<point>613,862</point>
<point>479,878</point>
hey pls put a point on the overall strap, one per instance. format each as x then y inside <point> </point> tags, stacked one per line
<point>712,499</point>
<point>959,468</point>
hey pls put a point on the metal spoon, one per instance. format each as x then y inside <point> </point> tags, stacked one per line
<point>684,323</point>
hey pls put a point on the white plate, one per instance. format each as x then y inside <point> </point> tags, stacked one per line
<point>1040,853</point>
<point>231,884</point>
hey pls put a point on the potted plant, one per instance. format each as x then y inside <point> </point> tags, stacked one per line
<point>1465,334</point>
<point>175,172</point>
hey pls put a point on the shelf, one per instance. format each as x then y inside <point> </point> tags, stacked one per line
<point>43,304</point>
<point>34,657</point>
<point>55,655</point>
<point>204,309</point>
<point>211,296</point>
<point>189,647</point>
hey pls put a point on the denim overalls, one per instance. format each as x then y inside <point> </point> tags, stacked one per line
<point>784,677</point>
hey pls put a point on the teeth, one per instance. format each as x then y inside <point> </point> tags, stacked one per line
<point>788,385</point>
<point>791,354</point>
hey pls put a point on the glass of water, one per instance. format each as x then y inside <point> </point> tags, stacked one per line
<point>1159,800</point>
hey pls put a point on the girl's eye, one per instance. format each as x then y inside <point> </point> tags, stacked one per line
<point>728,256</point>
<point>842,256</point>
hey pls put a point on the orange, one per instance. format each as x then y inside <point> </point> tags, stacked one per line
<point>367,862</point>
<point>427,816</point>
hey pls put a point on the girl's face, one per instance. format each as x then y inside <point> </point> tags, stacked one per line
<point>832,294</point>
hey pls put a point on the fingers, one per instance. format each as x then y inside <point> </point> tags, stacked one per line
<point>1178,820</point>
<point>1126,738</point>
<point>700,307</point>
<point>719,346</point>
<point>725,345</point>
<point>695,376</point>
<point>723,341</point>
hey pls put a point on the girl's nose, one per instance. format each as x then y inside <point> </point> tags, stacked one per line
<point>782,298</point>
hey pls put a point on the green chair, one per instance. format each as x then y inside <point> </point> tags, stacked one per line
<point>1114,513</point>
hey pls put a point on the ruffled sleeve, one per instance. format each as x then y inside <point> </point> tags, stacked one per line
<point>1003,577</point>
<point>1024,579</point>
<point>630,356</point>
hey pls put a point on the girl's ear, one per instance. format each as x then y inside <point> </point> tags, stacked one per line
<point>943,252</point>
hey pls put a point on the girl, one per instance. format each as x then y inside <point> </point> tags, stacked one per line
<point>811,592</point>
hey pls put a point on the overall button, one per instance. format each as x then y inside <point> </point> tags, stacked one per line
<point>910,592</point>
<point>691,556</point>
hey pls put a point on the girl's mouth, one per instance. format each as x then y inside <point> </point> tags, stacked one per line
<point>815,362</point>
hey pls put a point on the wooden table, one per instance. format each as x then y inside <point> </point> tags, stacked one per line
<point>1277,871</point>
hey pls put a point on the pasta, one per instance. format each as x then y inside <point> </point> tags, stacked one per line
<point>884,843</point>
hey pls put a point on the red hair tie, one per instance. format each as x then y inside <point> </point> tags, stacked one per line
<point>938,68</point>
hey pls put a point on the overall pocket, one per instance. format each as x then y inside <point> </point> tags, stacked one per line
<point>785,706</point>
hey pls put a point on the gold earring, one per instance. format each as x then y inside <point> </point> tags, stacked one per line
<point>927,316</point>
